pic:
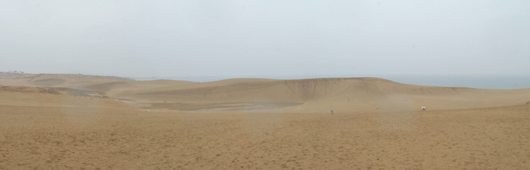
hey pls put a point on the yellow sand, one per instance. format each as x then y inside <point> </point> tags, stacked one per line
<point>76,121</point>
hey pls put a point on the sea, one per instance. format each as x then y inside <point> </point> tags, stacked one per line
<point>471,81</point>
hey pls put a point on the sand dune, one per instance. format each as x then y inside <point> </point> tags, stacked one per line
<point>307,95</point>
<point>91,122</point>
<point>317,95</point>
<point>352,94</point>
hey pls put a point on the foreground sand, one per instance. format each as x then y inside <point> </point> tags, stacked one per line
<point>48,127</point>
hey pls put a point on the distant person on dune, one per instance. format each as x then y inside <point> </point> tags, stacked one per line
<point>331,112</point>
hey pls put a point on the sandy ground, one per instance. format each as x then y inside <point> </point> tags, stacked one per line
<point>86,122</point>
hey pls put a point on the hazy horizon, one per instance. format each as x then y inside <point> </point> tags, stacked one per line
<point>269,38</point>
<point>471,81</point>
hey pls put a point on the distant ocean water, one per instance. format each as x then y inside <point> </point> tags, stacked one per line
<point>472,81</point>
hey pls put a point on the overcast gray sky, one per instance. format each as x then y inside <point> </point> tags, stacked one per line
<point>265,38</point>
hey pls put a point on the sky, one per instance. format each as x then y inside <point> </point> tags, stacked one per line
<point>240,38</point>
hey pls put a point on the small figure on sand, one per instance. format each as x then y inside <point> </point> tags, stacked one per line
<point>331,112</point>
<point>422,108</point>
<point>377,107</point>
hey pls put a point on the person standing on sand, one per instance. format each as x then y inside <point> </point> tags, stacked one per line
<point>331,112</point>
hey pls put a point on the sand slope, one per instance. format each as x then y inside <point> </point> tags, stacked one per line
<point>355,94</point>
<point>76,122</point>
<point>307,95</point>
